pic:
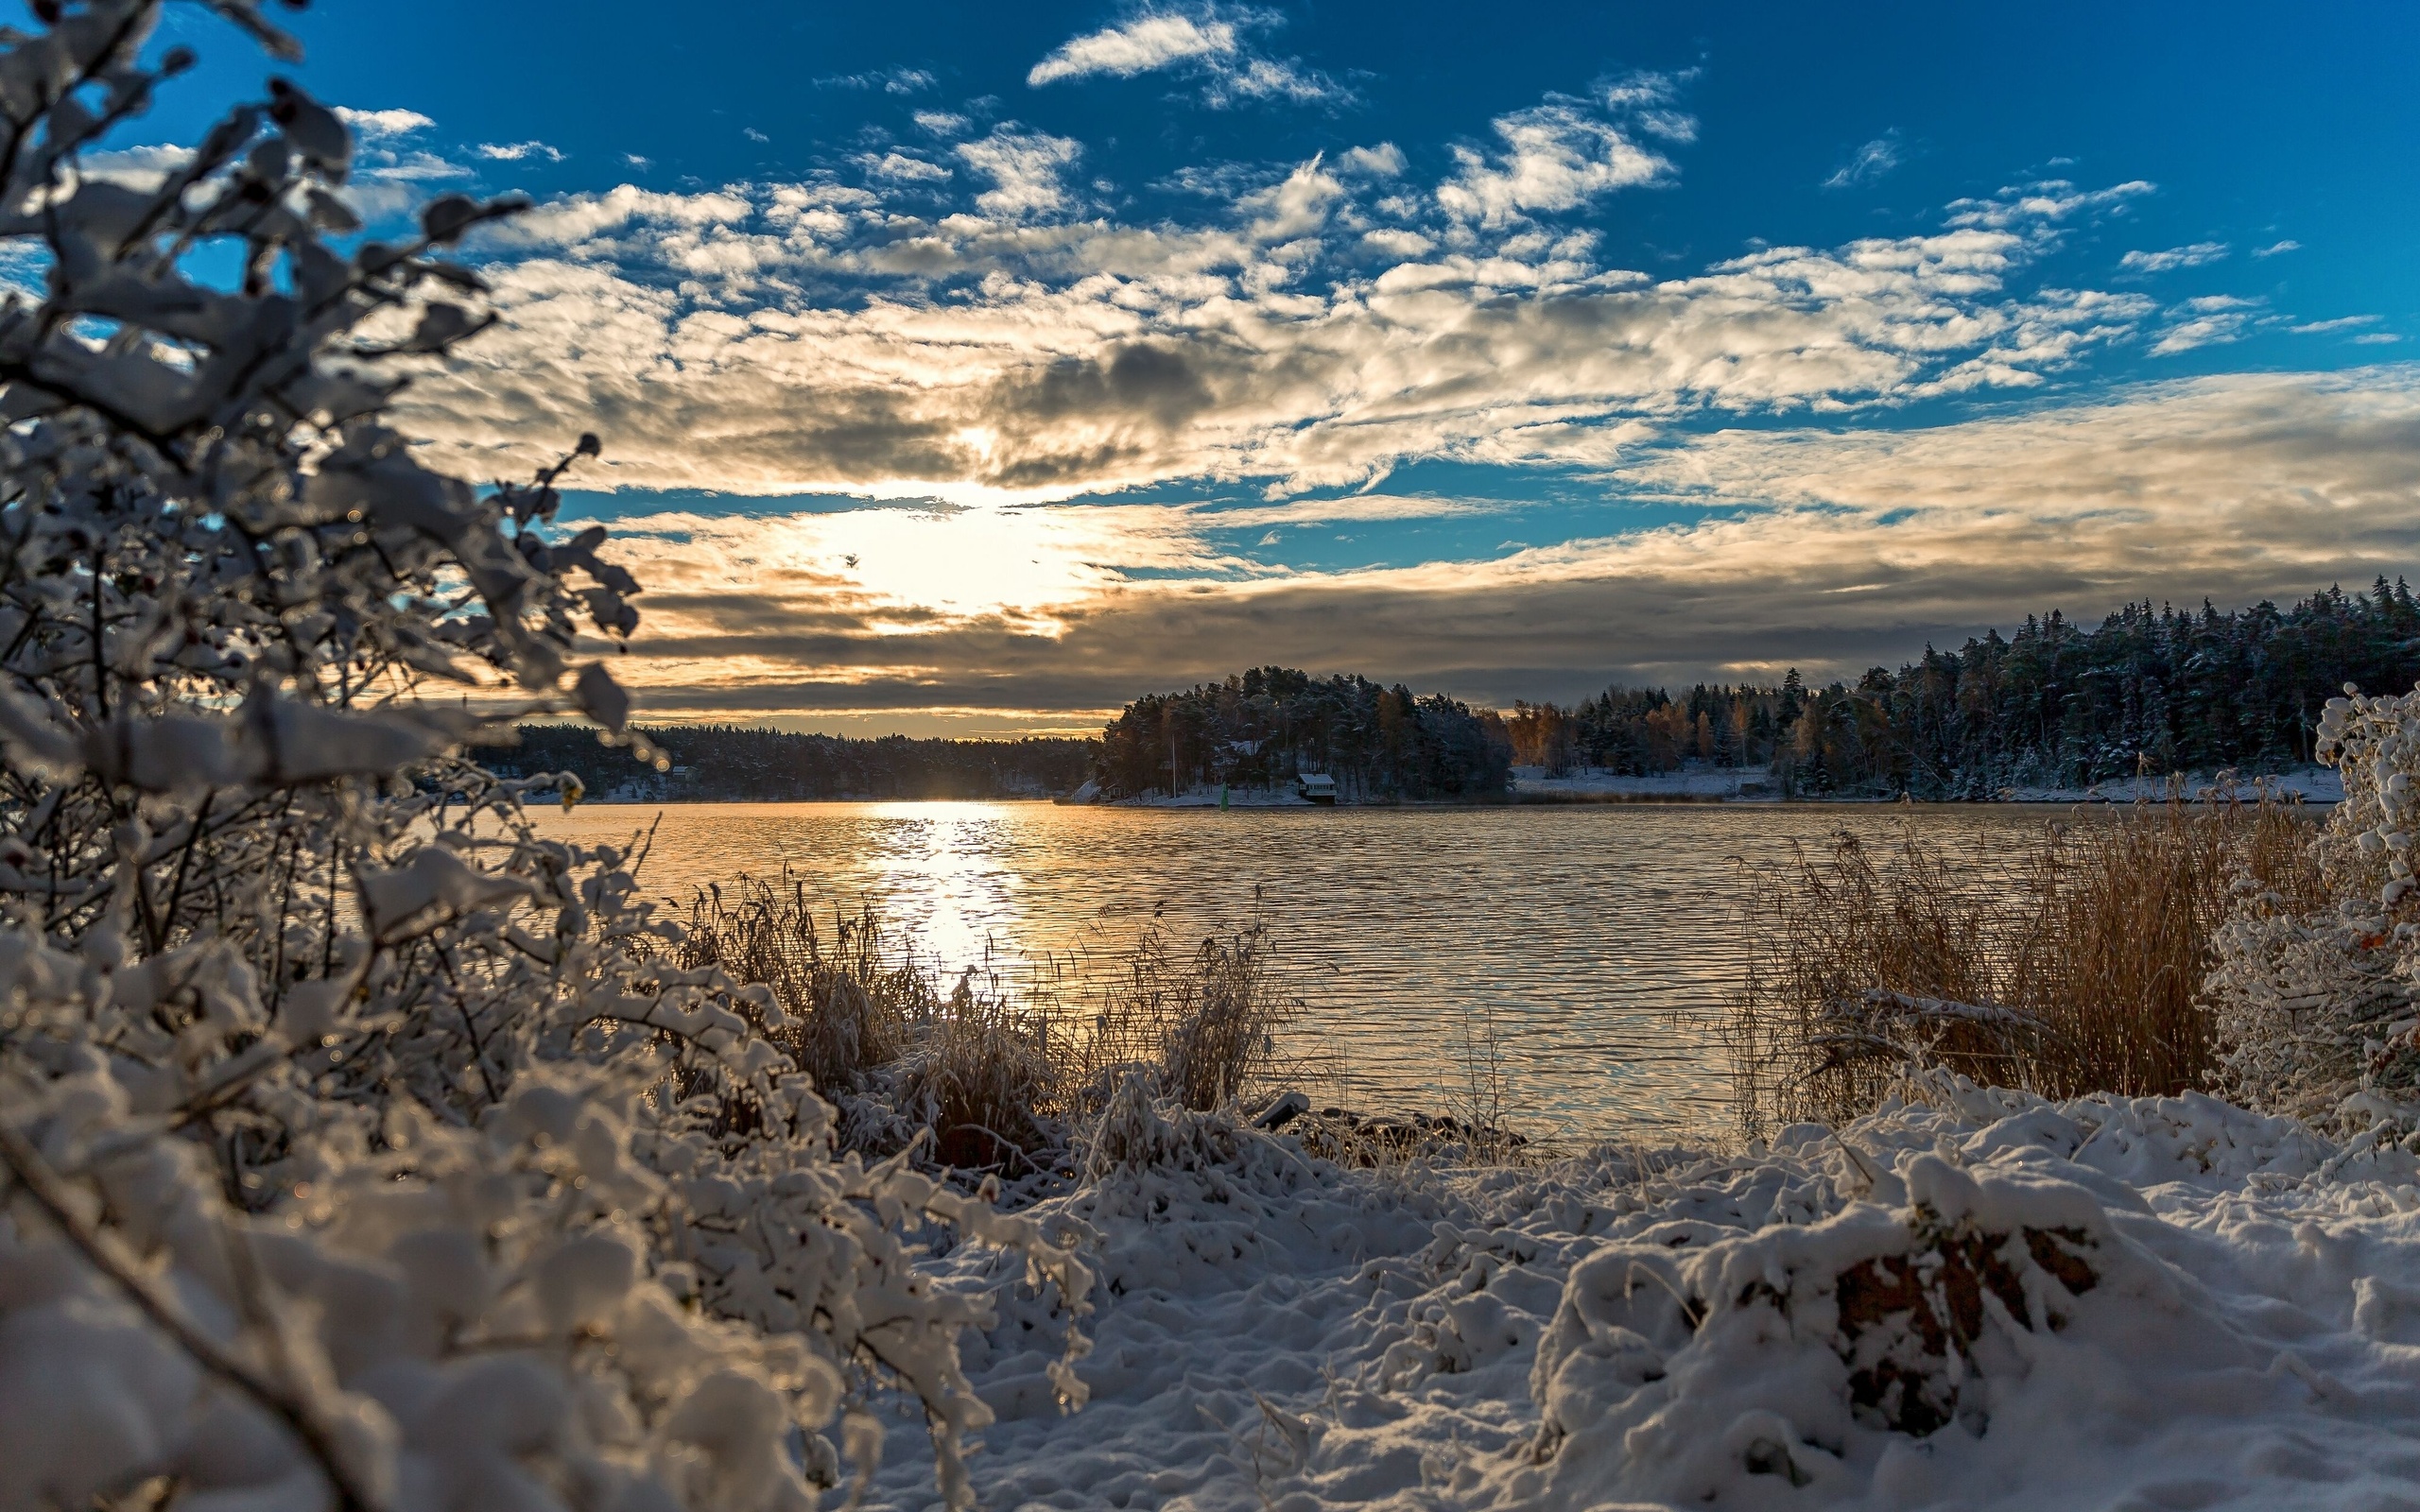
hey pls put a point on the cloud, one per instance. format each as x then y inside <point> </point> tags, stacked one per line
<point>1867,164</point>
<point>2197,256</point>
<point>2342,322</point>
<point>1208,44</point>
<point>516,151</point>
<point>753,134</point>
<point>634,161</point>
<point>2376,338</point>
<point>1024,167</point>
<point>888,80</point>
<point>901,167</point>
<point>383,125</point>
<point>2210,320</point>
<point>2274,248</point>
<point>1350,507</point>
<point>1827,550</point>
<point>139,167</point>
<point>941,123</point>
<point>1385,160</point>
<point>1147,42</point>
<point>1394,242</point>
<point>1000,352</point>
<point>2048,203</point>
<point>1561,154</point>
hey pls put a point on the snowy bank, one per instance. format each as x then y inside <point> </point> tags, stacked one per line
<point>1207,796</point>
<point>1989,1301</point>
<point>1700,783</point>
<point>1691,783</point>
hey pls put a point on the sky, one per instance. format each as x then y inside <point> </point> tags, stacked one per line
<point>973,369</point>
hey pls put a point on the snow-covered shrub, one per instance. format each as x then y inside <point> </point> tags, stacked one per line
<point>360,1147</point>
<point>1982,1297</point>
<point>2317,1002</point>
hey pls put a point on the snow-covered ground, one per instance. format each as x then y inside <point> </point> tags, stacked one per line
<point>2317,784</point>
<point>1206,796</point>
<point>2103,1304</point>
<point>2312,784</point>
<point>1690,782</point>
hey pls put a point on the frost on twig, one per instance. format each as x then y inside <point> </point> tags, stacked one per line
<point>363,1147</point>
<point>2318,1009</point>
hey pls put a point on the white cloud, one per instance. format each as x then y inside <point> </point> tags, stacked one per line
<point>1385,160</point>
<point>2342,322</point>
<point>902,167</point>
<point>1007,353</point>
<point>1150,42</point>
<point>1389,241</point>
<point>753,134</point>
<point>1024,168</point>
<point>516,151</point>
<point>139,167</point>
<point>1294,207</point>
<point>380,125</point>
<point>1867,164</point>
<point>634,161</point>
<point>2274,248</point>
<point>1566,152</point>
<point>2376,338</point>
<point>1350,507</point>
<point>888,80</point>
<point>2210,320</point>
<point>2047,203</point>
<point>1207,42</point>
<point>1267,79</point>
<point>2198,254</point>
<point>941,123</point>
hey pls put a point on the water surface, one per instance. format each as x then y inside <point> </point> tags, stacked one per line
<point>1595,947</point>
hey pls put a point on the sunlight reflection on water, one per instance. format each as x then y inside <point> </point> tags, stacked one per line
<point>1602,942</point>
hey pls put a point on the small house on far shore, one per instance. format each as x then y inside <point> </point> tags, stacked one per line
<point>1319,788</point>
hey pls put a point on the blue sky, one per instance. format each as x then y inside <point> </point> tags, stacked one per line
<point>972,367</point>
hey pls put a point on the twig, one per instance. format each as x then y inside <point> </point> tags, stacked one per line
<point>106,1255</point>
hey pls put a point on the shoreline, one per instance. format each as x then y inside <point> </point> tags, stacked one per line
<point>1550,801</point>
<point>2317,787</point>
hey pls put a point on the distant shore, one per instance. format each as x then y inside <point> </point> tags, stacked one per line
<point>1533,787</point>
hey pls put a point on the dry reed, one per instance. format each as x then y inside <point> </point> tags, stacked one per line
<point>850,997</point>
<point>996,1080</point>
<point>1205,1021</point>
<point>2072,966</point>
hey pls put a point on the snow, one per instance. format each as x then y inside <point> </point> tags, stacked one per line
<point>2127,1303</point>
<point>1205,796</point>
<point>2310,784</point>
<point>1697,782</point>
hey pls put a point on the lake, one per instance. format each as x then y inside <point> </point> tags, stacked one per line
<point>1595,946</point>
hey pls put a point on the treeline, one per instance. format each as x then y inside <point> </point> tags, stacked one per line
<point>1261,728</point>
<point>2149,692</point>
<point>728,764</point>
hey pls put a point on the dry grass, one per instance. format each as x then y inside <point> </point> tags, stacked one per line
<point>2071,965</point>
<point>996,1079</point>
<point>1205,1019</point>
<point>980,1076</point>
<point>851,997</point>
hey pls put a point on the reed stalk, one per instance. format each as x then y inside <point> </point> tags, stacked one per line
<point>2069,964</point>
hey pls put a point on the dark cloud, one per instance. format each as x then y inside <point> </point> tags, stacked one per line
<point>1861,549</point>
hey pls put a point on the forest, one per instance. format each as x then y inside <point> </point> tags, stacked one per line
<point>728,764</point>
<point>1259,728</point>
<point>2148,692</point>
